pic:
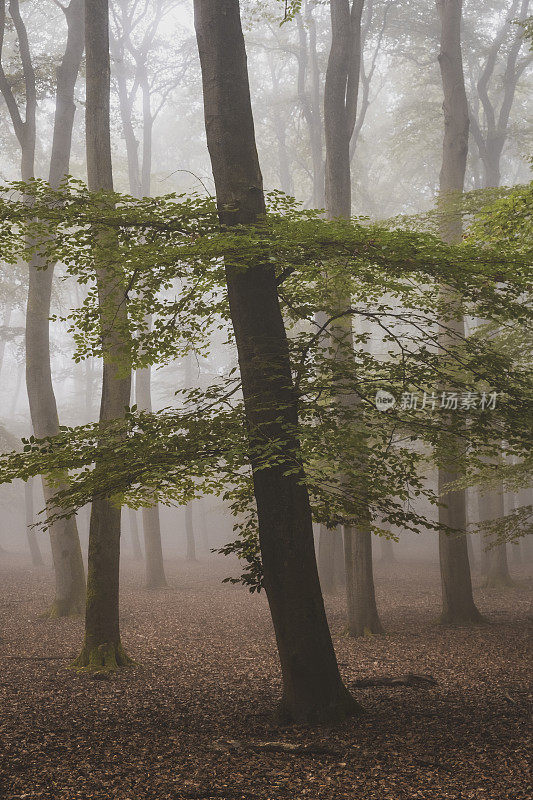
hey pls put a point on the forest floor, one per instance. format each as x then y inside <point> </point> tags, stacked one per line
<point>186,722</point>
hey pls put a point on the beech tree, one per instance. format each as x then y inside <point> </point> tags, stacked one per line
<point>102,648</point>
<point>340,113</point>
<point>312,688</point>
<point>124,44</point>
<point>457,599</point>
<point>490,129</point>
<point>66,550</point>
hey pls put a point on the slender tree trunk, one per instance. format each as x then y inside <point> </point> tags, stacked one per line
<point>134,533</point>
<point>35,553</point>
<point>189,532</point>
<point>139,180</point>
<point>155,570</point>
<point>457,598</point>
<point>8,309</point>
<point>340,106</point>
<point>66,551</point>
<point>102,647</point>
<point>309,98</point>
<point>204,533</point>
<point>312,688</point>
<point>491,507</point>
<point>387,551</point>
<point>64,538</point>
<point>326,560</point>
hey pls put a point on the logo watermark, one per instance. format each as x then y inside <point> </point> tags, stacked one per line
<point>426,401</point>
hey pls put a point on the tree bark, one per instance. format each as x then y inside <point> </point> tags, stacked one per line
<point>309,97</point>
<point>497,568</point>
<point>102,647</point>
<point>189,532</point>
<point>134,533</point>
<point>457,598</point>
<point>387,551</point>
<point>326,560</point>
<point>139,172</point>
<point>363,618</point>
<point>312,688</point>
<point>33,545</point>
<point>340,112</point>
<point>153,549</point>
<point>64,539</point>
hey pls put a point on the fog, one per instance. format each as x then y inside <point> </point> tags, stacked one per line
<point>215,443</point>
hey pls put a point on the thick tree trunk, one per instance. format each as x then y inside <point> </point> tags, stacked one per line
<point>33,545</point>
<point>363,618</point>
<point>102,647</point>
<point>457,598</point>
<point>312,687</point>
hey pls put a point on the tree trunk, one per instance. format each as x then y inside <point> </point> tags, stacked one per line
<point>8,310</point>
<point>189,532</point>
<point>326,559</point>
<point>457,598</point>
<point>312,688</point>
<point>387,551</point>
<point>66,551</point>
<point>64,538</point>
<point>491,507</point>
<point>102,647</point>
<point>204,533</point>
<point>340,106</point>
<point>35,553</point>
<point>363,618</point>
<point>155,570</point>
<point>134,533</point>
<point>309,98</point>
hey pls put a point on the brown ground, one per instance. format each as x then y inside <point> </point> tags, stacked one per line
<point>209,673</point>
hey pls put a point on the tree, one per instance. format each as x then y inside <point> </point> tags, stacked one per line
<point>457,599</point>
<point>102,648</point>
<point>33,545</point>
<point>312,687</point>
<point>340,112</point>
<point>66,550</point>
<point>134,38</point>
<point>490,132</point>
<point>497,568</point>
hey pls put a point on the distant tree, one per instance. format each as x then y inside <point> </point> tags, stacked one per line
<point>490,107</point>
<point>66,550</point>
<point>133,40</point>
<point>457,599</point>
<point>341,93</point>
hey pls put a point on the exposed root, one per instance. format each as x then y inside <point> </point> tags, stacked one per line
<point>463,619</point>
<point>103,658</point>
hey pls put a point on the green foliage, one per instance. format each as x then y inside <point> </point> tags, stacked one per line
<point>169,254</point>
